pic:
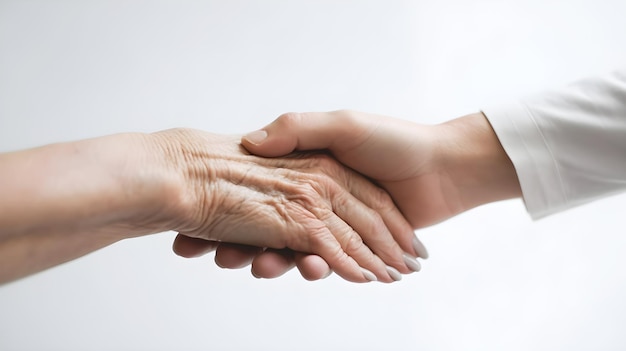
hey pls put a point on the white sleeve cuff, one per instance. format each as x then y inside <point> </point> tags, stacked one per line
<point>537,170</point>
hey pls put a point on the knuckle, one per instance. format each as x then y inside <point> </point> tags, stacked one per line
<point>376,224</point>
<point>326,170</point>
<point>308,197</point>
<point>289,119</point>
<point>320,183</point>
<point>321,163</point>
<point>353,243</point>
<point>341,203</point>
<point>322,240</point>
<point>382,201</point>
<point>348,117</point>
<point>326,164</point>
<point>309,194</point>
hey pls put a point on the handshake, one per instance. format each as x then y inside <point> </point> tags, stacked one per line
<point>328,192</point>
<point>340,191</point>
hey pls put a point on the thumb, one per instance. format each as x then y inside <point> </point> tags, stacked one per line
<point>299,131</point>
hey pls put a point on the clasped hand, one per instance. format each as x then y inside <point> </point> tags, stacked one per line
<point>277,210</point>
<point>304,202</point>
<point>431,172</point>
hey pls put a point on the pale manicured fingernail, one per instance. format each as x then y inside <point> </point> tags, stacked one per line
<point>394,274</point>
<point>412,263</point>
<point>368,275</point>
<point>256,137</point>
<point>419,248</point>
<point>327,274</point>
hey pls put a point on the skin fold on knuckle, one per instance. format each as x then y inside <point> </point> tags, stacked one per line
<point>380,200</point>
<point>325,244</point>
<point>308,194</point>
<point>350,242</point>
<point>371,228</point>
<point>377,237</point>
<point>325,164</point>
<point>289,120</point>
<point>355,247</point>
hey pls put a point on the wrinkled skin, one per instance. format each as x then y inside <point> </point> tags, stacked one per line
<point>305,203</point>
<point>431,172</point>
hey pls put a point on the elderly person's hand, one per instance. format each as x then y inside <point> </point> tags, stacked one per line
<point>305,202</point>
<point>65,200</point>
<point>431,172</point>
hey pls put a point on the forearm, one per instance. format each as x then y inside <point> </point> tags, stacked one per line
<point>25,255</point>
<point>65,200</point>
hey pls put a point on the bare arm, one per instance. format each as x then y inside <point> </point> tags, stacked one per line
<point>65,200</point>
<point>62,201</point>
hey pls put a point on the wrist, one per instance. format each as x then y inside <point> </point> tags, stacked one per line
<point>477,165</point>
<point>186,176</point>
<point>151,182</point>
<point>65,200</point>
<point>107,186</point>
<point>127,188</point>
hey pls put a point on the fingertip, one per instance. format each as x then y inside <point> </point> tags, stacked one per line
<point>235,256</point>
<point>419,248</point>
<point>189,247</point>
<point>255,138</point>
<point>312,267</point>
<point>369,275</point>
<point>268,144</point>
<point>272,263</point>
<point>292,130</point>
<point>412,263</point>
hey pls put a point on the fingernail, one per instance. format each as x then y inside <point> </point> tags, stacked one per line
<point>255,275</point>
<point>368,275</point>
<point>327,274</point>
<point>412,263</point>
<point>394,274</point>
<point>256,137</point>
<point>419,248</point>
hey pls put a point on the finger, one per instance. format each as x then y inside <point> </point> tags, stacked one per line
<point>367,222</point>
<point>189,247</point>
<point>320,231</point>
<point>351,254</point>
<point>272,263</point>
<point>394,221</point>
<point>372,228</point>
<point>235,256</point>
<point>306,131</point>
<point>312,267</point>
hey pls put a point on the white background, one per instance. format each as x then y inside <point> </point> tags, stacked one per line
<point>495,280</point>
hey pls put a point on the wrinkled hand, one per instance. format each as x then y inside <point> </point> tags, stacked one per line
<point>400,156</point>
<point>305,203</point>
<point>394,153</point>
<point>431,172</point>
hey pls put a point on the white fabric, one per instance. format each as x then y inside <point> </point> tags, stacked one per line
<point>568,146</point>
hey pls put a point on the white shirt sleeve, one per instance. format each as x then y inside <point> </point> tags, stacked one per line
<point>568,146</point>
